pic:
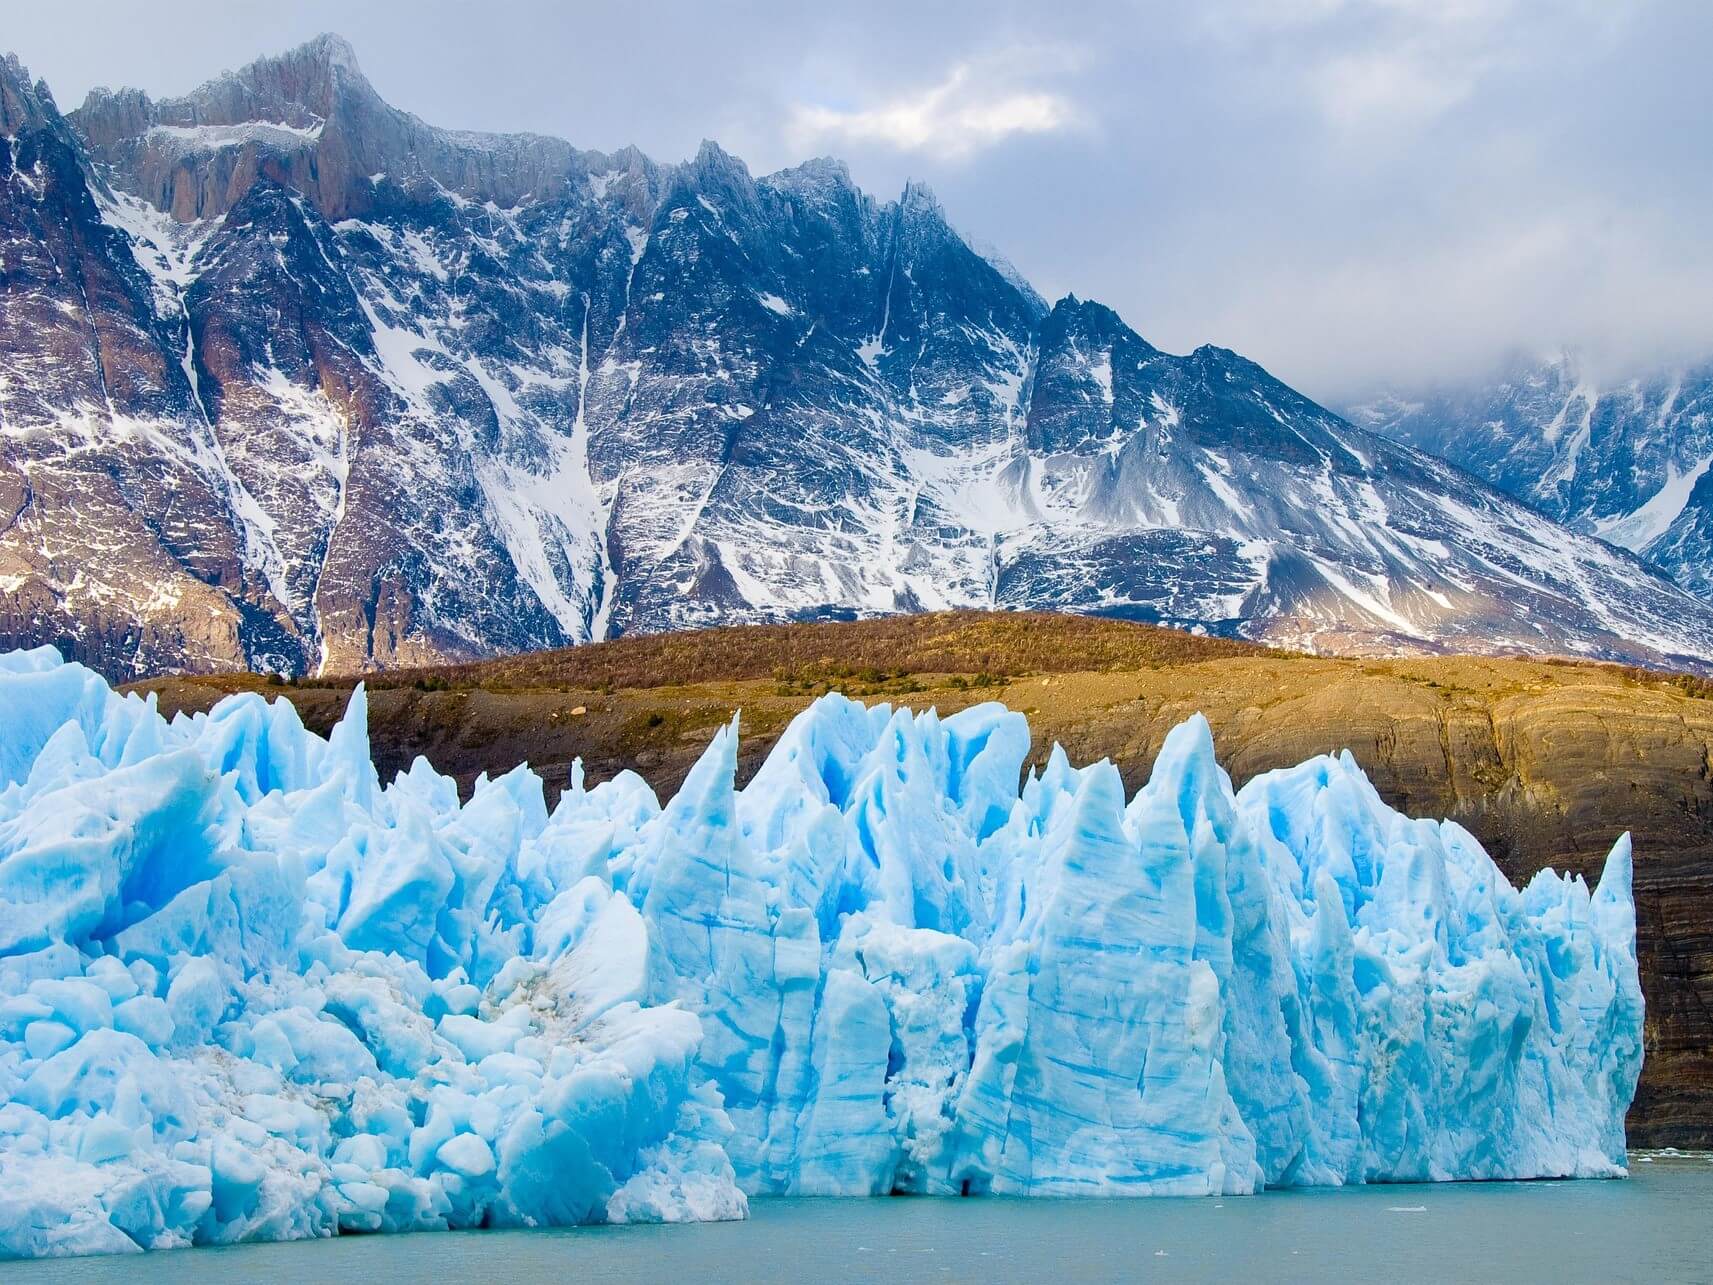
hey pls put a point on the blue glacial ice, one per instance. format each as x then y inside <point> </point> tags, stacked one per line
<point>248,992</point>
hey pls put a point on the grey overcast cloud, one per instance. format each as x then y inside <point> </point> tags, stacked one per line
<point>1356,193</point>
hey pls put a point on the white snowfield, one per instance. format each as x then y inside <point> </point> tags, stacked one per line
<point>248,993</point>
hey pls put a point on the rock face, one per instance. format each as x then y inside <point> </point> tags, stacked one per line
<point>120,536</point>
<point>1626,460</point>
<point>290,379</point>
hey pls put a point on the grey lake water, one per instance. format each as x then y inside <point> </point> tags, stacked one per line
<point>1655,1226</point>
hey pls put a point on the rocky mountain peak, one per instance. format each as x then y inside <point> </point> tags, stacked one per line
<point>823,186</point>
<point>816,173</point>
<point>712,159</point>
<point>1625,455</point>
<point>716,172</point>
<point>312,83</point>
<point>22,103</point>
<point>1212,356</point>
<point>109,115</point>
<point>1071,315</point>
<point>309,120</point>
<point>919,198</point>
<point>332,51</point>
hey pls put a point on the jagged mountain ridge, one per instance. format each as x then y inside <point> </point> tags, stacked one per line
<point>1626,460</point>
<point>292,379</point>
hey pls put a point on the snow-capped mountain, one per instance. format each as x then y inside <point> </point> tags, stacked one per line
<point>290,378</point>
<point>1625,460</point>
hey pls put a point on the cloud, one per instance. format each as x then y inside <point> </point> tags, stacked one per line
<point>1592,273</point>
<point>973,108</point>
<point>1373,66</point>
<point>1351,192</point>
<point>1377,89</point>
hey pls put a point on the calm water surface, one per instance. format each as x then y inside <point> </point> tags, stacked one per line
<point>1657,1226</point>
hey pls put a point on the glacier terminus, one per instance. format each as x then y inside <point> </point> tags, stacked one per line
<point>250,992</point>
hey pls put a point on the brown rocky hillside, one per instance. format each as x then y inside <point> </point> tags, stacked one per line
<point>1548,762</point>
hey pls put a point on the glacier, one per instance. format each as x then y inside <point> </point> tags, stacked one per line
<point>247,991</point>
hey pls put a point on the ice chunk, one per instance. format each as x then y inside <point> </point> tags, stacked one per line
<point>205,921</point>
<point>249,992</point>
<point>1097,1064</point>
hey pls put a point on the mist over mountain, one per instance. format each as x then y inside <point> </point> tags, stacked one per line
<point>1625,459</point>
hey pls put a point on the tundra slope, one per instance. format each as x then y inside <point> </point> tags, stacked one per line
<point>290,379</point>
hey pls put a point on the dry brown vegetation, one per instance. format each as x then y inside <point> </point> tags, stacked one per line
<point>971,643</point>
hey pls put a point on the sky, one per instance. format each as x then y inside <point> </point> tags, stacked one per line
<point>1359,194</point>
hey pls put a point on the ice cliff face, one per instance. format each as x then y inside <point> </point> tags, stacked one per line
<point>248,992</point>
<point>291,379</point>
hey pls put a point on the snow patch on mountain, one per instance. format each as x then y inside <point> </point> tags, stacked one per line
<point>1642,527</point>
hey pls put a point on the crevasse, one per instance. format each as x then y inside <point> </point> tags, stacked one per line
<point>247,992</point>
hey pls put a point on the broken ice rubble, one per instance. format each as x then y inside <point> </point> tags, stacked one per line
<point>247,992</point>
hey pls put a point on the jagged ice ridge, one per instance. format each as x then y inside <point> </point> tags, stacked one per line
<point>247,992</point>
